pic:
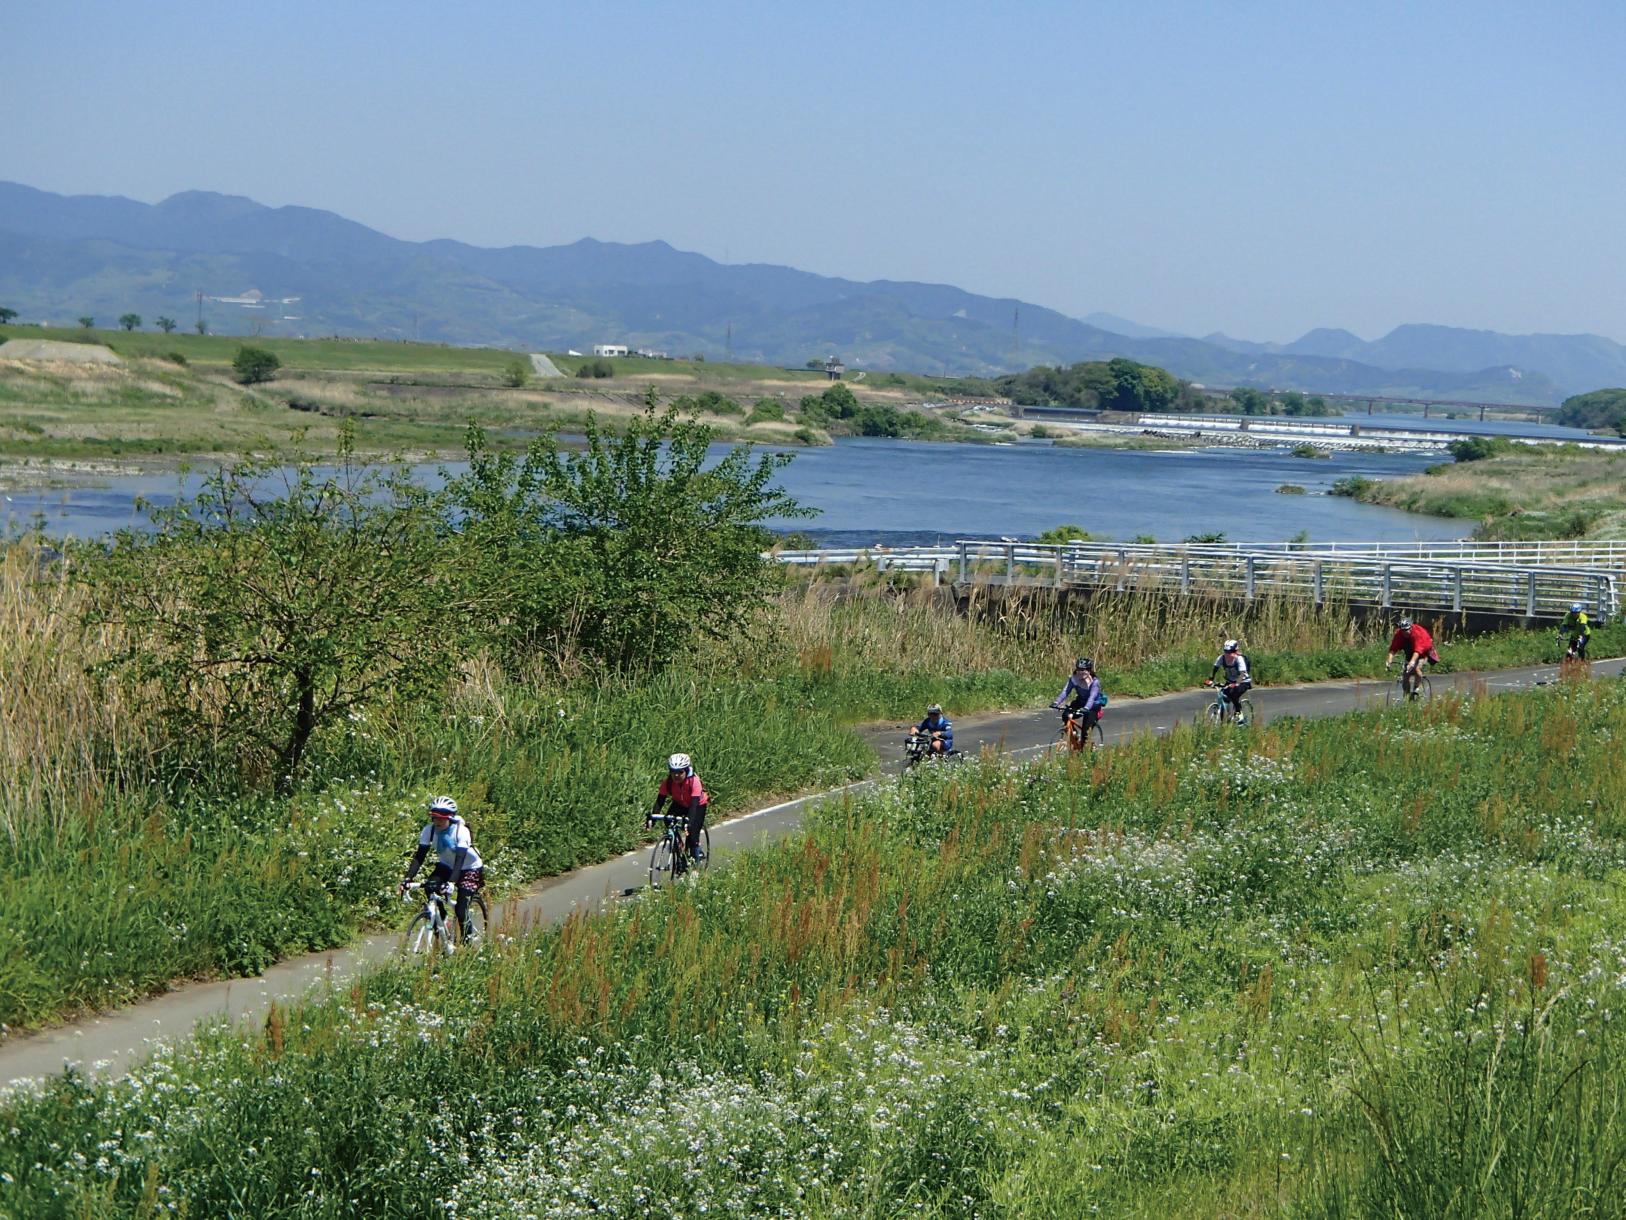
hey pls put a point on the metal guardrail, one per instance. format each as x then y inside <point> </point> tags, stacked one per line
<point>1416,582</point>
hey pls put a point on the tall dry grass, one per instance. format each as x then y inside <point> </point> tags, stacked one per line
<point>1037,633</point>
<point>63,741</point>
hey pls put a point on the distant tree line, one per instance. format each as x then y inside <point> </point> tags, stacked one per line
<point>1121,384</point>
<point>1598,411</point>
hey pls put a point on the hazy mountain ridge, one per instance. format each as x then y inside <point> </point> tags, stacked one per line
<point>62,256</point>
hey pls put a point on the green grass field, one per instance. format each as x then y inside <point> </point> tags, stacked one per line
<point>1359,967</point>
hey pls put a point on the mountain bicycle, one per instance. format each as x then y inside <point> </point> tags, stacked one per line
<point>434,929</point>
<point>917,748</point>
<point>1221,711</point>
<point>670,855</point>
<point>1077,731</point>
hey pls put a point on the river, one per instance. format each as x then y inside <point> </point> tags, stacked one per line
<point>873,490</point>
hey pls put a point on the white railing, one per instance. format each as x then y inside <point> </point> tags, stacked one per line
<point>1532,589</point>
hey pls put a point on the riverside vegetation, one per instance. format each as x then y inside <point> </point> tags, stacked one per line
<point>201,780</point>
<point>1335,969</point>
<point>1513,492</point>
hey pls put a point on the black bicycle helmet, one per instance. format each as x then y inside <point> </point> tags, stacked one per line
<point>1084,663</point>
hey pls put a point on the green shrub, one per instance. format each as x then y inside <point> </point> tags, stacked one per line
<point>253,365</point>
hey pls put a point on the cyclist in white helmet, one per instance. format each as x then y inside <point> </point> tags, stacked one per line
<point>683,788</point>
<point>456,862</point>
<point>1238,681</point>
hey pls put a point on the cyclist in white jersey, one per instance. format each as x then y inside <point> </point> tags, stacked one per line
<point>456,861</point>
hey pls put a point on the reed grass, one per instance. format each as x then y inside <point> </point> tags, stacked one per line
<point>1200,975</point>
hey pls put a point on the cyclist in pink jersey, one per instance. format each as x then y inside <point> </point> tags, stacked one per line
<point>683,788</point>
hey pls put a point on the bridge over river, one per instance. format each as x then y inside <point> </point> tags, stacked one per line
<point>1519,581</point>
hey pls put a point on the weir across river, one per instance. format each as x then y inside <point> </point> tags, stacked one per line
<point>1528,581</point>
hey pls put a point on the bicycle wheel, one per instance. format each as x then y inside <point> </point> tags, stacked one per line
<point>479,920</point>
<point>703,861</point>
<point>1216,713</point>
<point>420,936</point>
<point>1422,690</point>
<point>660,861</point>
<point>1100,737</point>
<point>1244,717</point>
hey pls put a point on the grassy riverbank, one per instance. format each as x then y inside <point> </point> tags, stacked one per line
<point>1528,493</point>
<point>134,882</point>
<point>174,397</point>
<point>1203,978</point>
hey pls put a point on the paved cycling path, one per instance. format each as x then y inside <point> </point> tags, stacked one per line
<point>115,1040</point>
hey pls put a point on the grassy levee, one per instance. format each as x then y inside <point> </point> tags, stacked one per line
<point>1553,492</point>
<point>133,879</point>
<point>1365,966</point>
<point>218,351</point>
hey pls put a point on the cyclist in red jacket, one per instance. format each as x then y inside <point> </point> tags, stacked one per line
<point>1414,640</point>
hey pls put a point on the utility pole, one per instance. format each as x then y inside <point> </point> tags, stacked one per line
<point>200,311</point>
<point>728,345</point>
<point>1016,333</point>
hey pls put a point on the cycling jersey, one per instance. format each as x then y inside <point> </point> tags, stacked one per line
<point>683,790</point>
<point>1236,668</point>
<point>1575,623</point>
<point>1086,694</point>
<point>448,844</point>
<point>943,726</point>
<point>1412,640</point>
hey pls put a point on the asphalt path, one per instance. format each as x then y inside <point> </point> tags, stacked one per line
<point>110,1043</point>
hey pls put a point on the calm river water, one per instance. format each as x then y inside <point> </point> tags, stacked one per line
<point>907,491</point>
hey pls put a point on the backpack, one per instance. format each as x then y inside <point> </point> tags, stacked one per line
<point>1103,702</point>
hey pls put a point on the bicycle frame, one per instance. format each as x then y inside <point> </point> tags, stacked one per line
<point>439,922</point>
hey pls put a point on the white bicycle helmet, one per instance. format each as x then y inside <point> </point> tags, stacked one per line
<point>443,805</point>
<point>1405,624</point>
<point>678,762</point>
<point>1229,646</point>
<point>1577,607</point>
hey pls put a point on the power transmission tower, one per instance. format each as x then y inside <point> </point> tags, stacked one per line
<point>728,345</point>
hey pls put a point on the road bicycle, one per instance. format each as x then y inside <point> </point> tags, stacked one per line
<point>1422,690</point>
<point>1574,663</point>
<point>434,929</point>
<point>670,855</point>
<point>1221,711</point>
<point>1077,732</point>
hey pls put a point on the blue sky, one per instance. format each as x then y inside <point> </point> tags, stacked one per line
<point>1257,168</point>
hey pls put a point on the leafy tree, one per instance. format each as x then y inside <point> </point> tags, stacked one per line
<point>516,373</point>
<point>595,368</point>
<point>1292,403</point>
<point>1597,410</point>
<point>252,365</point>
<point>167,325</point>
<point>624,551</point>
<point>201,326</point>
<point>6,315</point>
<point>815,363</point>
<point>1316,405</point>
<point>280,600</point>
<point>130,321</point>
<point>1067,533</point>
<point>1250,401</point>
<point>87,322</point>
<point>1113,385</point>
<point>1211,536</point>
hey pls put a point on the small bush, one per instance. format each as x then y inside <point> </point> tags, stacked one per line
<point>252,365</point>
<point>175,358</point>
<point>766,410</point>
<point>600,368</point>
<point>516,373</point>
<point>1290,489</point>
<point>1356,486</point>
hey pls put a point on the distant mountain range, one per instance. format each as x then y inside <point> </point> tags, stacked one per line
<point>66,256</point>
